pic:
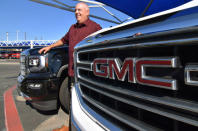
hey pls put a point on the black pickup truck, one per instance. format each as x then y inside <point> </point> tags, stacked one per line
<point>43,78</point>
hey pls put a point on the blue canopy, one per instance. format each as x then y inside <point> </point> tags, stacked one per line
<point>140,8</point>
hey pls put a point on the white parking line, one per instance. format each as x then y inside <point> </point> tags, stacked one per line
<point>9,63</point>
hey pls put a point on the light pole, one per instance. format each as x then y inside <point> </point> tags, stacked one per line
<point>25,35</point>
<point>7,36</point>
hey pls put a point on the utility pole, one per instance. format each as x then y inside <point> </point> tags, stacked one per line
<point>7,36</point>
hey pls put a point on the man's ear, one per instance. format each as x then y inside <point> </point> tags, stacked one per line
<point>87,12</point>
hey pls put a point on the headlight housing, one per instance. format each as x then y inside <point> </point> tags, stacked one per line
<point>34,61</point>
<point>37,63</point>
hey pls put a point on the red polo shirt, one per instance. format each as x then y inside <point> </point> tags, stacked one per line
<point>76,33</point>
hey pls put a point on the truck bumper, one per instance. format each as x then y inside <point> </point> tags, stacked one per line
<point>80,119</point>
<point>44,98</point>
<point>45,105</point>
<point>40,105</point>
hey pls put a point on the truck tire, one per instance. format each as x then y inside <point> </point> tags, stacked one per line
<point>64,95</point>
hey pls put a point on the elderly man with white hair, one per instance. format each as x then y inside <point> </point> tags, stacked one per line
<point>76,33</point>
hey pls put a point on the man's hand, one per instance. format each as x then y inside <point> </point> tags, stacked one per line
<point>44,49</point>
<point>47,48</point>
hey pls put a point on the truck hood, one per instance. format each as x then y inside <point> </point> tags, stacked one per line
<point>171,20</point>
<point>140,8</point>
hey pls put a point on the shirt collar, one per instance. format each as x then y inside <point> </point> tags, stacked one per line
<point>79,25</point>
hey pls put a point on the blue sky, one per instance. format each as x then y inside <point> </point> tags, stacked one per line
<point>40,21</point>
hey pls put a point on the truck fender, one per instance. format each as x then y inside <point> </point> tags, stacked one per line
<point>61,70</point>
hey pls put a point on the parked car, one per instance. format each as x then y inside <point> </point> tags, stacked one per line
<point>1,54</point>
<point>43,78</point>
<point>15,55</point>
<point>6,55</point>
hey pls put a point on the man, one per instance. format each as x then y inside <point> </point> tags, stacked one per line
<point>76,33</point>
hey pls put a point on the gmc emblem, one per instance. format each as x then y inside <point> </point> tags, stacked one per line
<point>113,68</point>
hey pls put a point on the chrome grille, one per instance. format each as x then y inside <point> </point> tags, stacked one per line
<point>23,68</point>
<point>135,106</point>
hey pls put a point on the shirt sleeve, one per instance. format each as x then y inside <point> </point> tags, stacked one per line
<point>98,27</point>
<point>65,39</point>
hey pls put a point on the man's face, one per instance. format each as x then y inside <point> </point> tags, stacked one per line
<point>81,13</point>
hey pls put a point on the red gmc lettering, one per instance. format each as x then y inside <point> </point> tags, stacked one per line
<point>99,67</point>
<point>115,66</point>
<point>142,78</point>
<point>136,69</point>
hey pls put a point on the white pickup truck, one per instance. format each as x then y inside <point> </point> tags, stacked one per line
<point>145,82</point>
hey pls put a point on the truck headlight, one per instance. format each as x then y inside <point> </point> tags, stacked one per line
<point>37,63</point>
<point>34,61</point>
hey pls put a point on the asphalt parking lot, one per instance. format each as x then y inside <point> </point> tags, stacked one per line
<point>16,112</point>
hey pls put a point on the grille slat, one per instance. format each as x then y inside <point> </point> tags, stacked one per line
<point>122,117</point>
<point>166,101</point>
<point>23,68</point>
<point>149,107</point>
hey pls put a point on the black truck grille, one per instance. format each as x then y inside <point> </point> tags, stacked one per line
<point>133,106</point>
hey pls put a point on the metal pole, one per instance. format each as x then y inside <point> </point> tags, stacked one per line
<point>25,35</point>
<point>17,33</point>
<point>7,36</point>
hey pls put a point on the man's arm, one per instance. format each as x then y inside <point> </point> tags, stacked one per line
<point>46,49</point>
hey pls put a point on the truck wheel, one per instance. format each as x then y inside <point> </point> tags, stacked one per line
<point>64,95</point>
